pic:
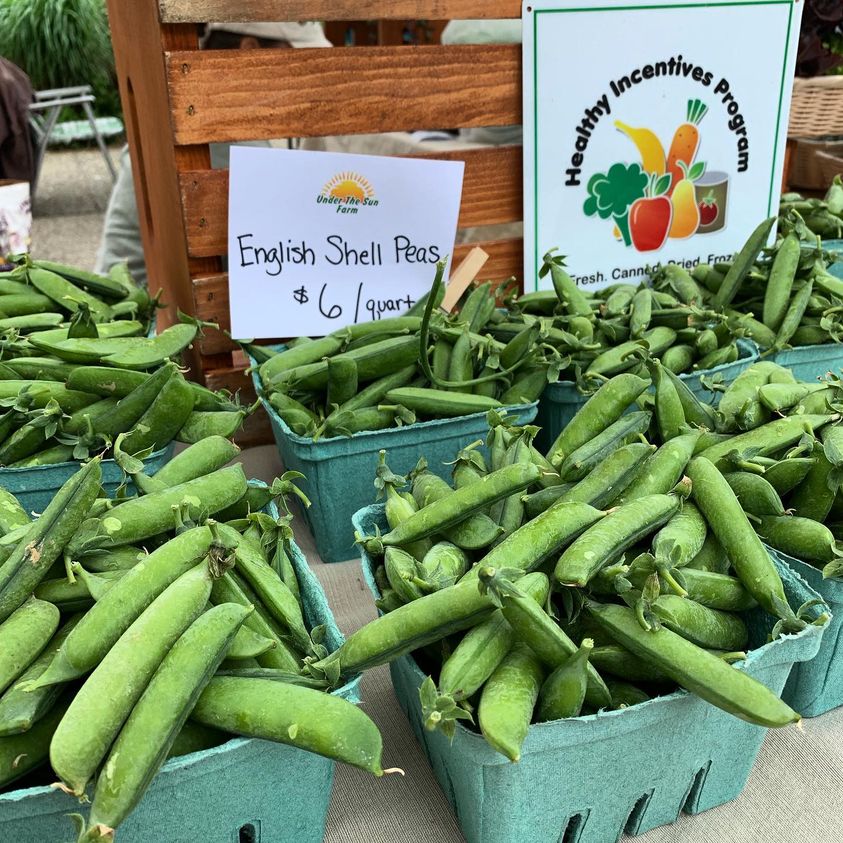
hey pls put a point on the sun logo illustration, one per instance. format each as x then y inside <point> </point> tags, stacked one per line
<point>348,186</point>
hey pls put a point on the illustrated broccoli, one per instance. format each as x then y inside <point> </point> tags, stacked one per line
<point>611,194</point>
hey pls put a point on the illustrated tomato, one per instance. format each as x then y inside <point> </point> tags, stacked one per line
<point>708,209</point>
<point>649,222</point>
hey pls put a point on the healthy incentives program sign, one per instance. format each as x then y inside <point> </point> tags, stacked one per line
<point>653,132</point>
<point>320,240</point>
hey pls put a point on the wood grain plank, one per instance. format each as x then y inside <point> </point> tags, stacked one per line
<point>492,194</point>
<point>186,11</point>
<point>235,95</point>
<point>211,301</point>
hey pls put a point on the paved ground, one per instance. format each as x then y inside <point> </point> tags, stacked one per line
<point>69,206</point>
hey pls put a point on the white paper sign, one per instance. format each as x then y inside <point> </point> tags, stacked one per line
<point>652,133</point>
<point>320,240</point>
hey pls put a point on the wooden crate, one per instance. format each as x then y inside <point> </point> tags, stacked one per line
<point>178,99</point>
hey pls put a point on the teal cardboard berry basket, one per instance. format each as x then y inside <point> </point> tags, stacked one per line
<point>560,401</point>
<point>340,470</point>
<point>815,687</point>
<point>590,779</point>
<point>228,794</point>
<point>37,485</point>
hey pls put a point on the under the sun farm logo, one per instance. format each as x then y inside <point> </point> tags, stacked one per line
<point>348,192</point>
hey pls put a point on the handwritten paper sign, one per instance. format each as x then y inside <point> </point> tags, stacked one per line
<point>653,133</point>
<point>320,240</point>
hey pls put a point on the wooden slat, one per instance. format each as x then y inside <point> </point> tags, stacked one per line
<point>235,95</point>
<point>186,11</point>
<point>491,194</point>
<point>211,302</point>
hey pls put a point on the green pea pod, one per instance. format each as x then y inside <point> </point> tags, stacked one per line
<point>714,590</point>
<point>678,358</point>
<point>507,701</point>
<point>45,539</point>
<point>457,506</point>
<point>563,692</point>
<point>153,514</point>
<point>101,706</point>
<point>402,574</point>
<point>769,438</point>
<point>640,312</point>
<point>200,424</point>
<point>742,264</point>
<point>706,675</point>
<point>342,380</point>
<point>277,711</point>
<point>19,708</point>
<point>477,656</point>
<point>793,315</point>
<point>541,538</point>
<point>780,283</point>
<point>682,538</point>
<point>802,538</point>
<point>442,566</point>
<point>25,304</point>
<point>695,411</point>
<point>22,753</point>
<point>42,392</point>
<point>460,363</point>
<point>528,387</point>
<point>570,296</point>
<point>43,368</point>
<point>705,627</point>
<point>160,713</point>
<point>66,294</point>
<point>620,358</point>
<point>579,462</point>
<point>606,540</point>
<point>662,470</point>
<point>153,352</point>
<point>787,474</point>
<point>23,635</point>
<point>410,627</point>
<point>230,589</point>
<point>441,358</point>
<point>204,457</point>
<point>100,284</point>
<point>711,557</point>
<point>539,631</point>
<point>164,417</point>
<point>815,495</point>
<point>604,408</point>
<point>50,456</point>
<point>375,392</point>
<point>101,627</point>
<point>618,661</point>
<point>727,520</point>
<point>373,361</point>
<point>429,402</point>
<point>755,494</point>
<point>669,412</point>
<point>607,480</point>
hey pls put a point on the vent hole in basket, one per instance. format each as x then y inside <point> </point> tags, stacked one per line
<point>249,834</point>
<point>573,828</point>
<point>692,800</point>
<point>637,813</point>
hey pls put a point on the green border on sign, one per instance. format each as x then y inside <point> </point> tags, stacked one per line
<point>537,12</point>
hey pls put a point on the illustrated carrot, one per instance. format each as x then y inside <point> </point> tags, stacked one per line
<point>685,143</point>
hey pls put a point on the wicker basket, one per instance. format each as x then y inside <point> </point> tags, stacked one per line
<point>816,125</point>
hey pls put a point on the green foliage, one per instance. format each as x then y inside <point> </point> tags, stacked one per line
<point>60,43</point>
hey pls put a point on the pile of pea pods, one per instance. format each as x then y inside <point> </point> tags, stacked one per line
<point>822,216</point>
<point>136,629</point>
<point>609,570</point>
<point>782,454</point>
<point>77,369</point>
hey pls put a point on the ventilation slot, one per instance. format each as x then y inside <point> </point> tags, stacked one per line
<point>692,800</point>
<point>573,828</point>
<point>249,834</point>
<point>637,813</point>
